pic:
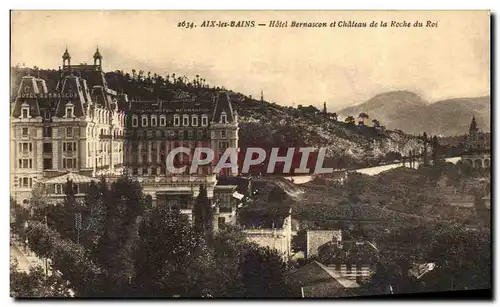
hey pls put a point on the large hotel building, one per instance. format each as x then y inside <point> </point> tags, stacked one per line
<point>83,129</point>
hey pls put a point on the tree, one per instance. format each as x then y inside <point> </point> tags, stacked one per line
<point>462,257</point>
<point>35,283</point>
<point>299,241</point>
<point>172,258</point>
<point>363,116</point>
<point>350,120</point>
<point>434,150</point>
<point>263,273</point>
<point>202,212</point>
<point>426,161</point>
<point>124,202</point>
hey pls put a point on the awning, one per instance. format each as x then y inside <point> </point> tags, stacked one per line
<point>238,195</point>
<point>76,178</point>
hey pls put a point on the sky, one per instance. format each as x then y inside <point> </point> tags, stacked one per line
<point>342,66</point>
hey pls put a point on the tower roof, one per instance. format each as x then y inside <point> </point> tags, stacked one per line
<point>473,124</point>
<point>66,54</point>
<point>97,54</point>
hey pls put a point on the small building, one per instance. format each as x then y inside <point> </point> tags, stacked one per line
<point>278,237</point>
<point>317,280</point>
<point>55,187</point>
<point>317,238</point>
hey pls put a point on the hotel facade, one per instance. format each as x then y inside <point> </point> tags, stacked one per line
<point>83,129</point>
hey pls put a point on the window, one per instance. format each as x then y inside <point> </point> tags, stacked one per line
<point>76,131</point>
<point>47,132</point>
<point>190,134</point>
<point>47,163</point>
<point>25,182</point>
<point>58,189</point>
<point>223,133</point>
<point>25,163</point>
<point>25,132</point>
<point>69,146</point>
<point>185,120</point>
<point>180,134</point>
<point>69,163</point>
<point>222,220</point>
<point>163,121</point>
<point>47,147</point>
<point>223,118</point>
<point>69,132</point>
<point>25,147</point>
<point>177,120</point>
<point>135,121</point>
<point>200,134</point>
<point>204,120</point>
<point>194,121</point>
<point>47,114</point>
<point>153,121</point>
<point>144,121</point>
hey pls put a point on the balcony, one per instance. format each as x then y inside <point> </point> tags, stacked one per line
<point>151,181</point>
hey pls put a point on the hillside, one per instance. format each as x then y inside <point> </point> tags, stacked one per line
<point>265,124</point>
<point>409,112</point>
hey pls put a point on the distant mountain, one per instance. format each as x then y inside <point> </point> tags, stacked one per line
<point>407,111</point>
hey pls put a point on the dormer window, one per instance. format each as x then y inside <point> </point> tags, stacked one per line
<point>153,121</point>
<point>47,114</point>
<point>204,120</point>
<point>163,121</point>
<point>177,121</point>
<point>194,120</point>
<point>185,120</point>
<point>144,121</point>
<point>135,121</point>
<point>223,118</point>
<point>69,110</point>
<point>25,110</point>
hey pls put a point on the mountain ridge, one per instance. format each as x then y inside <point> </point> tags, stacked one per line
<point>407,111</point>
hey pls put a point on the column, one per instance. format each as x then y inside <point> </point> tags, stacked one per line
<point>38,164</point>
<point>139,152</point>
<point>149,156</point>
<point>55,154</point>
<point>158,149</point>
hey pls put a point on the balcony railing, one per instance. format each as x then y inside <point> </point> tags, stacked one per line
<point>180,179</point>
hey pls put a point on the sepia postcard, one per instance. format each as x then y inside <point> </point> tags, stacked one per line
<point>250,154</point>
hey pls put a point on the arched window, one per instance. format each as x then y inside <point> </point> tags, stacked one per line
<point>144,120</point>
<point>194,120</point>
<point>177,120</point>
<point>163,121</point>
<point>204,120</point>
<point>185,120</point>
